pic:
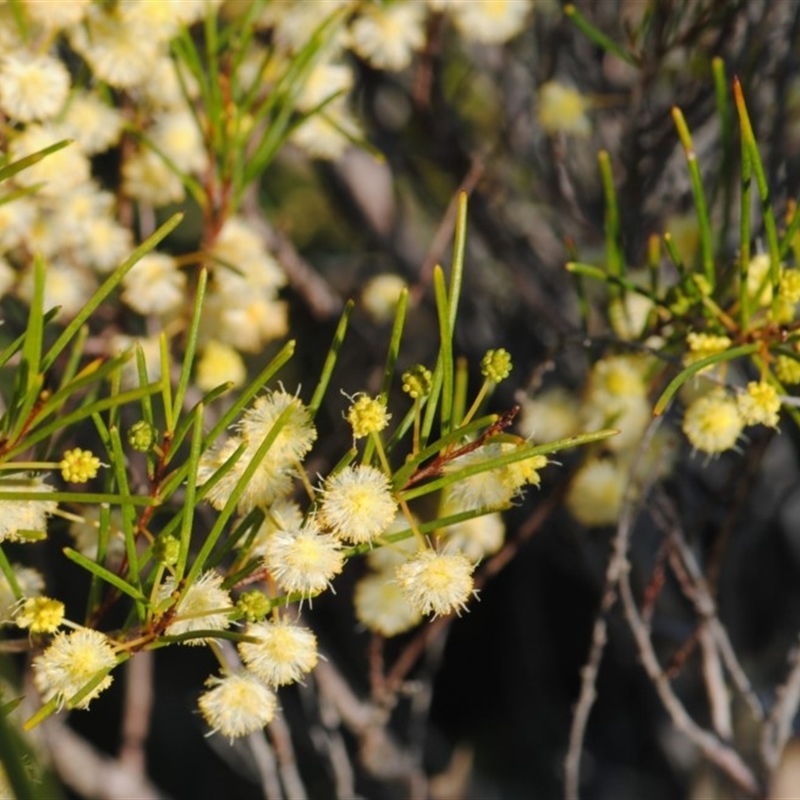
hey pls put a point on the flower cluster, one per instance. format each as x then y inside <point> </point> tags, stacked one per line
<point>276,471</point>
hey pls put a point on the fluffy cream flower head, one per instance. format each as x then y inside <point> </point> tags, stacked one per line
<point>358,505</point>
<point>488,488</point>
<point>304,560</point>
<point>20,516</point>
<point>204,605</point>
<point>294,439</point>
<point>70,663</point>
<point>436,583</point>
<point>713,422</point>
<point>237,705</point>
<point>283,654</point>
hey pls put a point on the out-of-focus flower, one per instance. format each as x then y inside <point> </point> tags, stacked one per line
<point>758,283</point>
<point>52,15</point>
<point>490,21</point>
<point>118,51</point>
<point>21,516</point>
<point>30,582</point>
<point>382,606</point>
<point>596,492</point>
<point>551,415</point>
<point>380,296</point>
<point>59,172</point>
<point>328,134</point>
<point>388,36</point>
<point>146,177</point>
<point>713,423</point>
<point>176,135</point>
<point>32,87</point>
<point>477,537</point>
<point>154,285</point>
<point>218,364</point>
<point>562,109</point>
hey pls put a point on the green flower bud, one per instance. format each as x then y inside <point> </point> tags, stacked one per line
<point>417,381</point>
<point>166,550</point>
<point>142,436</point>
<point>253,605</point>
<point>496,365</point>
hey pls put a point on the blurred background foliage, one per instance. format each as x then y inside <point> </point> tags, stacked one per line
<point>489,706</point>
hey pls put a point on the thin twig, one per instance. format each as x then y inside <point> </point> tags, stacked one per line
<point>718,695</point>
<point>137,711</point>
<point>380,753</point>
<point>617,565</point>
<point>329,736</point>
<point>716,751</point>
<point>322,300</point>
<point>266,766</point>
<point>287,763</point>
<point>704,604</point>
<point>90,773</point>
<point>778,727</point>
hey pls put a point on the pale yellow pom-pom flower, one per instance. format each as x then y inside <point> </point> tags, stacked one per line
<point>71,662</point>
<point>237,705</point>
<point>283,654</point>
<point>759,404</point>
<point>40,614</point>
<point>436,583</point>
<point>712,423</point>
<point>305,560</point>
<point>358,504</point>
<point>204,605</point>
<point>79,466</point>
